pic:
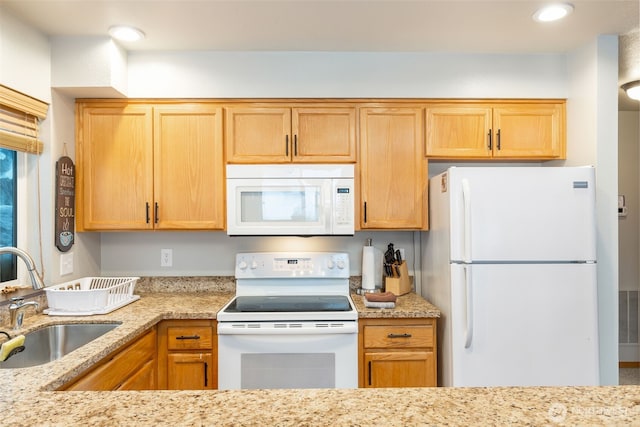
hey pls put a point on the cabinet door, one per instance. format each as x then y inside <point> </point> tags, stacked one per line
<point>529,131</point>
<point>119,368</point>
<point>190,371</point>
<point>143,379</point>
<point>115,158</point>
<point>188,174</point>
<point>400,369</point>
<point>458,131</point>
<point>393,169</point>
<point>258,135</point>
<point>324,135</point>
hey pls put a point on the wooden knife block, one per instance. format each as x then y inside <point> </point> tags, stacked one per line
<point>399,285</point>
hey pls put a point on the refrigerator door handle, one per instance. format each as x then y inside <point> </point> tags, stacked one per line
<point>468,333</point>
<point>466,213</point>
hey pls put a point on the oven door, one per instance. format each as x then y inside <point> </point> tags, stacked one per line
<point>287,355</point>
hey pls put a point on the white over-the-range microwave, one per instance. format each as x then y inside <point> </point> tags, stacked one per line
<point>290,200</point>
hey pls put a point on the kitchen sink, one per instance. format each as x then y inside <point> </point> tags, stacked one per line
<point>53,342</point>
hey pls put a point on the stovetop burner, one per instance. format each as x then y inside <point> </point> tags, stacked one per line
<point>290,286</point>
<point>289,303</point>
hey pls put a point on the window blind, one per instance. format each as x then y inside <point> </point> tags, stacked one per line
<point>20,115</point>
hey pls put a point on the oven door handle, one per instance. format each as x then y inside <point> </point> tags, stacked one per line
<point>239,328</point>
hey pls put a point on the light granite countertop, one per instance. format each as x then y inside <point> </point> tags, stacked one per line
<point>27,399</point>
<point>409,305</point>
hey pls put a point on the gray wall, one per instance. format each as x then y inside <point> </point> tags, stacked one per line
<point>629,186</point>
<point>629,234</point>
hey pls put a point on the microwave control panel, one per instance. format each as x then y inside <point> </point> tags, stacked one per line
<point>343,197</point>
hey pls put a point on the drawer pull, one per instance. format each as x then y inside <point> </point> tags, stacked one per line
<point>188,337</point>
<point>399,336</point>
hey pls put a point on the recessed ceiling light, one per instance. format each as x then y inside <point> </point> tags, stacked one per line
<point>553,12</point>
<point>125,33</point>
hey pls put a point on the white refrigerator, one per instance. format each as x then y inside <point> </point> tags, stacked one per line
<point>511,263</point>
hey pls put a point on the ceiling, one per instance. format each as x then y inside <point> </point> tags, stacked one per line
<point>469,26</point>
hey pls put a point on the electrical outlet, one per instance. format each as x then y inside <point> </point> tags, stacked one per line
<point>166,257</point>
<point>66,264</point>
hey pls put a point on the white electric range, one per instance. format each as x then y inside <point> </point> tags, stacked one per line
<point>292,323</point>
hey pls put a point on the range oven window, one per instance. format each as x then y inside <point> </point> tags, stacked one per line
<point>287,370</point>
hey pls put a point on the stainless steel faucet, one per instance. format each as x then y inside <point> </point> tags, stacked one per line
<point>36,281</point>
<point>16,311</point>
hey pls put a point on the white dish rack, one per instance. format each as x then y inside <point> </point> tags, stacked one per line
<point>90,295</point>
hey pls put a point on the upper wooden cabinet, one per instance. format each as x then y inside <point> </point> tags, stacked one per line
<point>114,152</point>
<point>277,134</point>
<point>145,166</point>
<point>188,168</point>
<point>393,168</point>
<point>525,131</point>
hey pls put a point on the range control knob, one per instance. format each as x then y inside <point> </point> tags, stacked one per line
<point>242,265</point>
<point>340,264</point>
<point>331,264</point>
<point>254,265</point>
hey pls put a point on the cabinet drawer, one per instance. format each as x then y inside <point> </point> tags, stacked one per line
<point>398,336</point>
<point>189,337</point>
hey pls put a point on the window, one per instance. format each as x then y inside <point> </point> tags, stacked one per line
<point>8,192</point>
<point>20,115</point>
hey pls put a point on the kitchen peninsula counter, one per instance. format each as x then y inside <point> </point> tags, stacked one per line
<point>613,406</point>
<point>26,396</point>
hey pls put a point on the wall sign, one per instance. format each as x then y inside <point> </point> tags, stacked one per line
<point>65,203</point>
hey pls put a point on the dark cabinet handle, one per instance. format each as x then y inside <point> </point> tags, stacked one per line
<point>369,372</point>
<point>399,336</point>
<point>498,141</point>
<point>286,145</point>
<point>156,213</point>
<point>206,374</point>
<point>295,145</point>
<point>188,337</point>
<point>147,210</point>
<point>365,212</point>
<point>490,140</point>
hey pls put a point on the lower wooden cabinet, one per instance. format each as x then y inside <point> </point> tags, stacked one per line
<point>187,355</point>
<point>132,367</point>
<point>397,352</point>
